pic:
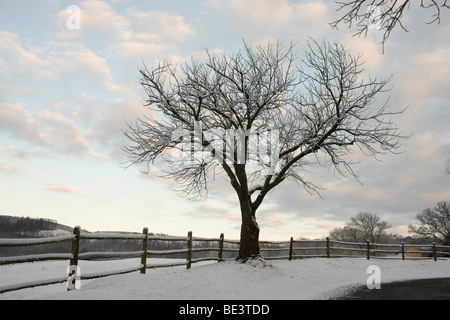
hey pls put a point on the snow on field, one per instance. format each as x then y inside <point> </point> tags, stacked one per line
<point>282,280</point>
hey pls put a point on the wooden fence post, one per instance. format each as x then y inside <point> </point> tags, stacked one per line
<point>403,251</point>
<point>434,252</point>
<point>144,249</point>
<point>291,248</point>
<point>221,247</point>
<point>328,247</point>
<point>368,250</point>
<point>189,253</point>
<point>71,280</point>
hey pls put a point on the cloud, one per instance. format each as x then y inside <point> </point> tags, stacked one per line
<point>44,131</point>
<point>418,82</point>
<point>110,120</point>
<point>18,122</point>
<point>16,152</point>
<point>62,70</point>
<point>207,210</point>
<point>371,53</point>
<point>96,19</point>
<point>19,62</point>
<point>132,33</point>
<point>4,166</point>
<point>54,65</point>
<point>64,189</point>
<point>270,220</point>
<point>159,26</point>
<point>79,65</point>
<point>62,135</point>
<point>252,19</point>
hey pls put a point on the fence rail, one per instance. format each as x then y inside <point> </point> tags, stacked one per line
<point>270,250</point>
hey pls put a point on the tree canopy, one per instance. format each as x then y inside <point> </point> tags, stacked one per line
<point>383,15</point>
<point>257,118</point>
<point>433,224</point>
<point>364,226</point>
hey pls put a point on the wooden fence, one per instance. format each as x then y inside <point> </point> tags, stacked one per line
<point>270,250</point>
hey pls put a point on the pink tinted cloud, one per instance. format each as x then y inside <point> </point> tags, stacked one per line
<point>271,220</point>
<point>210,211</point>
<point>17,121</point>
<point>64,189</point>
<point>4,166</point>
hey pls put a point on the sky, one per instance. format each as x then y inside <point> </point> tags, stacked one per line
<point>69,81</point>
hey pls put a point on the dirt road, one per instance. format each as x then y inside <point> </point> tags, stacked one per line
<point>427,289</point>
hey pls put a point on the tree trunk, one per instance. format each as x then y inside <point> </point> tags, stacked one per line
<point>249,242</point>
<point>249,248</point>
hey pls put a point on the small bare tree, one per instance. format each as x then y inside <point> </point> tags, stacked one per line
<point>383,15</point>
<point>363,227</point>
<point>370,226</point>
<point>257,119</point>
<point>433,224</point>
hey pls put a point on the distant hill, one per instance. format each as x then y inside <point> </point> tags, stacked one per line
<point>26,227</point>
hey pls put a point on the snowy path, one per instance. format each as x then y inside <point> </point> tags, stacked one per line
<point>283,280</point>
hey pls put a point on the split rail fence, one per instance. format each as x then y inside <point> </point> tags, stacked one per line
<point>270,250</point>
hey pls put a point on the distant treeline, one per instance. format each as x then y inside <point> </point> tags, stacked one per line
<point>24,227</point>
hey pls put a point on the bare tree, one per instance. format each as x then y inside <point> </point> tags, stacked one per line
<point>370,226</point>
<point>433,224</point>
<point>230,112</point>
<point>383,15</point>
<point>361,228</point>
<point>345,234</point>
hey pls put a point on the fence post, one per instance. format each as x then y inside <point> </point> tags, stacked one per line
<point>71,280</point>
<point>328,247</point>
<point>368,250</point>
<point>221,247</point>
<point>434,252</point>
<point>291,248</point>
<point>189,253</point>
<point>144,249</point>
<point>403,251</point>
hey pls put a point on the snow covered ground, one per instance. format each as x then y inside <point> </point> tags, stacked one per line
<point>306,279</point>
